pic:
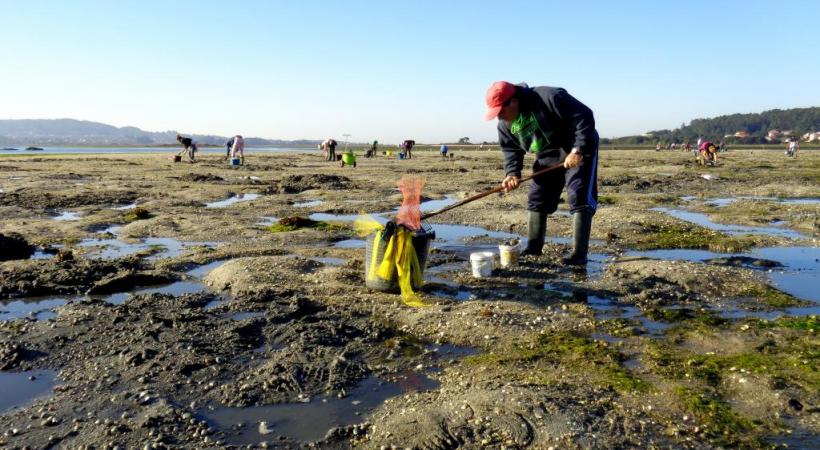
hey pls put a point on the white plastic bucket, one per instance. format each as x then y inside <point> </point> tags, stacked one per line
<point>509,254</point>
<point>482,263</point>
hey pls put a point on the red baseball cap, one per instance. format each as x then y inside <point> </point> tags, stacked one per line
<point>498,93</point>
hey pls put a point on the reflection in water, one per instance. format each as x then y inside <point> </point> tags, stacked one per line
<point>704,221</point>
<point>606,309</point>
<point>307,204</point>
<point>233,198</point>
<point>311,421</point>
<point>38,308</point>
<point>329,260</point>
<point>798,276</point>
<point>350,243</point>
<point>67,216</point>
<point>115,248</point>
<point>175,289</point>
<point>246,315</point>
<point>21,388</point>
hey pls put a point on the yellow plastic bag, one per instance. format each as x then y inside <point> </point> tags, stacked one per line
<point>399,258</point>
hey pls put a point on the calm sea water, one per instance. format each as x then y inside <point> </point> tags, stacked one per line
<point>168,150</point>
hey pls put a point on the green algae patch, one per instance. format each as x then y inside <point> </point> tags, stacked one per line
<point>621,327</point>
<point>771,297</point>
<point>136,214</point>
<point>794,355</point>
<point>591,359</point>
<point>669,314</point>
<point>287,224</point>
<point>807,323</point>
<point>663,199</point>
<point>722,424</point>
<point>701,318</point>
<point>672,236</point>
<point>608,199</point>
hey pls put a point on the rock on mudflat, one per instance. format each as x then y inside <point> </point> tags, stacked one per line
<point>14,246</point>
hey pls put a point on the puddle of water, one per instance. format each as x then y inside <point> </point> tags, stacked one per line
<point>42,307</point>
<point>38,307</point>
<point>559,287</point>
<point>435,205</point>
<point>452,351</point>
<point>676,254</point>
<point>18,391</point>
<point>723,202</point>
<point>234,198</point>
<point>596,263</point>
<point>67,216</point>
<point>465,239</point>
<point>608,309</point>
<point>45,315</point>
<point>704,221</point>
<point>451,233</point>
<point>40,254</point>
<point>800,438</point>
<point>126,207</point>
<point>268,221</point>
<point>768,315</point>
<point>632,364</point>
<point>203,270</point>
<point>113,230</point>
<point>606,338</point>
<point>799,276</point>
<point>220,300</point>
<point>350,243</point>
<point>246,315</point>
<point>115,248</point>
<point>311,421</point>
<point>459,295</point>
<point>175,289</point>
<point>329,260</point>
<point>447,267</point>
<point>308,204</point>
<point>326,217</point>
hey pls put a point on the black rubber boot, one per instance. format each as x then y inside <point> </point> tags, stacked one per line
<point>536,229</point>
<point>581,228</point>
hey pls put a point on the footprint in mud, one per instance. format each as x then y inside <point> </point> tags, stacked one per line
<point>494,414</point>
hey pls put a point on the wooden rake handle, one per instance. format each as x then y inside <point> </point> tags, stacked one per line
<point>488,192</point>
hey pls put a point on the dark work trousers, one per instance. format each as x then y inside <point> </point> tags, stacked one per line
<point>581,183</point>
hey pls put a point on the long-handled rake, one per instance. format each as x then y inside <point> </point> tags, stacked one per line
<point>481,195</point>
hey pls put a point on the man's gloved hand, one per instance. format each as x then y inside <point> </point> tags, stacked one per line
<point>573,160</point>
<point>510,182</point>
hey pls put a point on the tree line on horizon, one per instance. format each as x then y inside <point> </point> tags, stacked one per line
<point>798,121</point>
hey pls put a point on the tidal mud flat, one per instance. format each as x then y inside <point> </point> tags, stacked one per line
<point>147,304</point>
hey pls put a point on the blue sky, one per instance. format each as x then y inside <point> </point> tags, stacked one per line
<point>394,70</point>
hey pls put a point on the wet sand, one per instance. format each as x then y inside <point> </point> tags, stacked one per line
<point>159,310</point>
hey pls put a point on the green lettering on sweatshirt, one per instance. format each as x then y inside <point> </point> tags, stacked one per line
<point>526,129</point>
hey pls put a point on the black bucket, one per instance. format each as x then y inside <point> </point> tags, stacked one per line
<point>422,239</point>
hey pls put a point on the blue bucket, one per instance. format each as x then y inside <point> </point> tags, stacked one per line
<point>236,162</point>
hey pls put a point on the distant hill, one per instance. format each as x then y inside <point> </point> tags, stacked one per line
<point>740,128</point>
<point>66,132</point>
